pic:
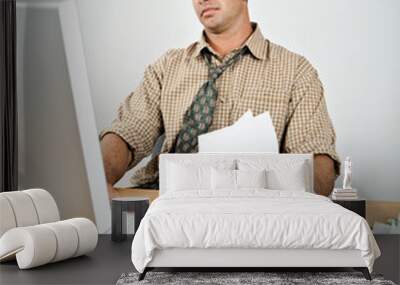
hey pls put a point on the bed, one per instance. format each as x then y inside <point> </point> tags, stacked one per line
<point>250,210</point>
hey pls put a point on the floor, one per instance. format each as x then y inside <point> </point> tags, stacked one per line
<point>110,259</point>
<point>388,264</point>
<point>103,266</point>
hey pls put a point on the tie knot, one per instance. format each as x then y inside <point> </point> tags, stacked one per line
<point>215,71</point>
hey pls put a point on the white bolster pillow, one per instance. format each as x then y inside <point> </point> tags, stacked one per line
<point>40,244</point>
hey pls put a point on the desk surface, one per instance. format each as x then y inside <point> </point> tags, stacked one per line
<point>102,266</point>
<point>136,192</point>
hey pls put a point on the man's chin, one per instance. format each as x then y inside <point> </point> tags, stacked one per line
<point>213,27</point>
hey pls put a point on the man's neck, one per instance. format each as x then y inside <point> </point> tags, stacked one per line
<point>223,43</point>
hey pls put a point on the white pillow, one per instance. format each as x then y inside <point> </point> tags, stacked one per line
<point>223,179</point>
<point>251,178</point>
<point>183,177</point>
<point>293,179</point>
<point>227,179</point>
<point>282,174</point>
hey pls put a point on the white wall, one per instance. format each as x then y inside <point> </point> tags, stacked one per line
<point>354,45</point>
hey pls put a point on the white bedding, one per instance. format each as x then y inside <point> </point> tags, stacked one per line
<point>250,218</point>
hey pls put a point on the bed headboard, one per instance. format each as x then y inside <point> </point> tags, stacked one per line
<point>210,158</point>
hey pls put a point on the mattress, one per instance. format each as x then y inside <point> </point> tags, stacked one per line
<point>250,219</point>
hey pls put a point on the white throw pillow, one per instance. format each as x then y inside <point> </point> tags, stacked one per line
<point>251,178</point>
<point>282,174</point>
<point>293,179</point>
<point>223,179</point>
<point>182,177</point>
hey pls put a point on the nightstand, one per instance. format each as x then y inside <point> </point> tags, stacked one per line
<point>138,205</point>
<point>357,206</point>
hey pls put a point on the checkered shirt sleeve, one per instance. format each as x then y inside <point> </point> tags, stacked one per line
<point>139,121</point>
<point>309,127</point>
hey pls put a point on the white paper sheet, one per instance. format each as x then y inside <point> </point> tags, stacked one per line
<point>248,134</point>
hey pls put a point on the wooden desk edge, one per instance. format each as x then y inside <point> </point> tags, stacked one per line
<point>136,192</point>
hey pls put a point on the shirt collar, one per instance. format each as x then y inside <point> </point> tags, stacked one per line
<point>256,43</point>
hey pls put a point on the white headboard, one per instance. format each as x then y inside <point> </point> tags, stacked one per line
<point>210,158</point>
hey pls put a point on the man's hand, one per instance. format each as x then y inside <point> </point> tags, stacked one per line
<point>324,174</point>
<point>116,159</point>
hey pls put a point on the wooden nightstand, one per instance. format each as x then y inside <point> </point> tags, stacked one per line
<point>357,206</point>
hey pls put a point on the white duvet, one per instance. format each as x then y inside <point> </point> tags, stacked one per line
<point>250,219</point>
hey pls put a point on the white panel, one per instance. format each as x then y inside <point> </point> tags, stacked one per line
<point>176,257</point>
<point>84,113</point>
<point>61,147</point>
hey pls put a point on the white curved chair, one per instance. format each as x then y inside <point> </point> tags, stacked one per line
<point>31,232</point>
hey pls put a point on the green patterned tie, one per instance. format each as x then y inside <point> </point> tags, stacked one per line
<point>199,115</point>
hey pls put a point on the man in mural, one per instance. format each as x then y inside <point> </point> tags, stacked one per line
<point>208,86</point>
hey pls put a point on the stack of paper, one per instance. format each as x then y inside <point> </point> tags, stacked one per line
<point>248,134</point>
<point>344,194</point>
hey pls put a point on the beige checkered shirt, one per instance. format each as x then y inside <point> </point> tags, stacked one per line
<point>267,78</point>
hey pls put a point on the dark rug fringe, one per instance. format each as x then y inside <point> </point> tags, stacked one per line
<point>244,278</point>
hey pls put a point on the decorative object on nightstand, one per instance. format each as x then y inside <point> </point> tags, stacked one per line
<point>347,192</point>
<point>344,194</point>
<point>347,196</point>
<point>347,173</point>
<point>356,205</point>
<point>120,207</point>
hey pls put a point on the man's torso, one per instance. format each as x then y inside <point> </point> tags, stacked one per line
<point>256,84</point>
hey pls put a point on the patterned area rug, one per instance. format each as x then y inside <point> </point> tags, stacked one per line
<point>269,278</point>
